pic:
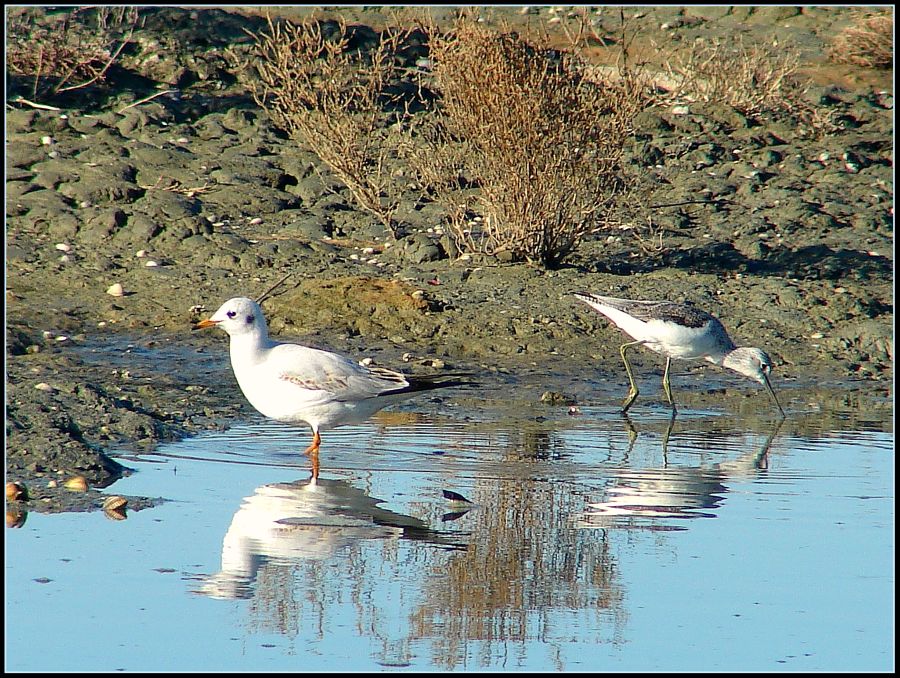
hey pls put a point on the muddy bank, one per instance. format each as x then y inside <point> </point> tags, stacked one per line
<point>194,197</point>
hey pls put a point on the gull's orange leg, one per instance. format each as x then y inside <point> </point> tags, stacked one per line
<point>313,453</point>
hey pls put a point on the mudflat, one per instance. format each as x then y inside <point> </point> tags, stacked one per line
<point>194,196</point>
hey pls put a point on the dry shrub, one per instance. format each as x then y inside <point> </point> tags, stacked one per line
<point>523,151</point>
<point>334,99</point>
<point>68,51</point>
<point>869,42</point>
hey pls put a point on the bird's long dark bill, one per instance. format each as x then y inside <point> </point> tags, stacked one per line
<point>203,324</point>
<point>774,397</point>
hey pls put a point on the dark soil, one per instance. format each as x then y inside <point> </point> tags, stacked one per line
<point>792,249</point>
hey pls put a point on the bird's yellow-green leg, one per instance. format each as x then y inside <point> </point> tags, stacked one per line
<point>667,387</point>
<point>633,390</point>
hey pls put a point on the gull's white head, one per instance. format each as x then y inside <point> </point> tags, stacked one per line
<point>238,316</point>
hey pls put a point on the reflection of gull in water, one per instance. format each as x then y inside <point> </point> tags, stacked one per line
<point>670,492</point>
<point>284,523</point>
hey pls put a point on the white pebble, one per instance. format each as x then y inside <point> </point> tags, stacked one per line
<point>151,264</point>
<point>368,250</point>
<point>365,362</point>
<point>46,141</point>
<point>140,253</point>
<point>43,386</point>
<point>63,247</point>
<point>418,294</point>
<point>680,110</point>
<point>116,290</point>
<point>255,221</point>
<point>816,335</point>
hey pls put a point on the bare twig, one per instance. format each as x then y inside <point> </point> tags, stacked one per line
<point>43,107</point>
<point>274,287</point>
<point>146,99</point>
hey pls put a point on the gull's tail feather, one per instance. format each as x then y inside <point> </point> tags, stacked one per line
<point>430,382</point>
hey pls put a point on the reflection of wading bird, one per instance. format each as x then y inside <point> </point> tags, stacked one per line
<point>679,331</point>
<point>292,383</point>
<point>682,492</point>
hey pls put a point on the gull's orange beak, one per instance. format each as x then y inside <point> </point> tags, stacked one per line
<point>203,324</point>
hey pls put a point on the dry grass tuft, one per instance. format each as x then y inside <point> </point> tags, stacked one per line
<point>63,52</point>
<point>757,80</point>
<point>869,42</point>
<point>524,149</point>
<point>752,79</point>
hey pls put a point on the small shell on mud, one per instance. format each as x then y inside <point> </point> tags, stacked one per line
<point>77,484</point>
<point>114,503</point>
<point>116,290</point>
<point>16,491</point>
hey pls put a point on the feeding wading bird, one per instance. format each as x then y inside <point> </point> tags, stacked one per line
<point>679,331</point>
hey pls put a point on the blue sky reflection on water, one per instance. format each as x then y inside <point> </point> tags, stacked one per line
<point>590,547</point>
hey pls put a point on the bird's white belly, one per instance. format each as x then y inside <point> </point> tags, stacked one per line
<point>279,399</point>
<point>284,401</point>
<point>676,341</point>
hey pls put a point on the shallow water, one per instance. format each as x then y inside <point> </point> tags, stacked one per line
<point>593,542</point>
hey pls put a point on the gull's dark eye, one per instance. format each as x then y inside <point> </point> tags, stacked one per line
<point>231,314</point>
<point>249,319</point>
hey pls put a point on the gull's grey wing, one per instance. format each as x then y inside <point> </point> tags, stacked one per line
<point>316,370</point>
